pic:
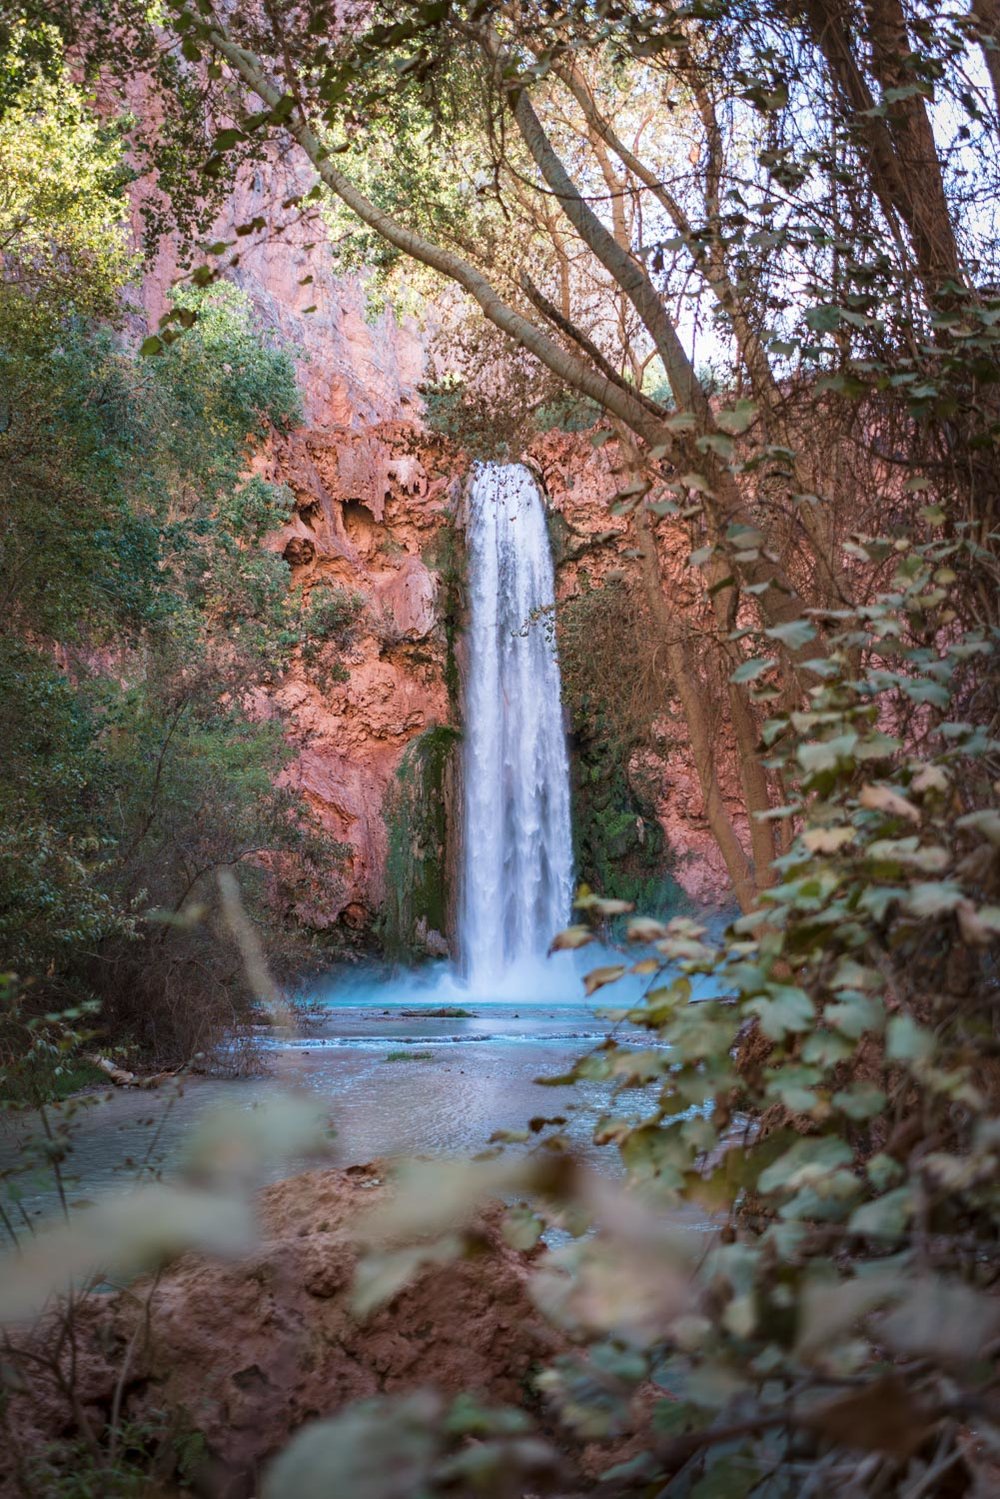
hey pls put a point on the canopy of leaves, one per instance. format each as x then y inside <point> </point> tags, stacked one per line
<point>62,202</point>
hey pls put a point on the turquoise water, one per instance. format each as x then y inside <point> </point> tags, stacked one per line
<point>458,1082</point>
<point>453,1080</point>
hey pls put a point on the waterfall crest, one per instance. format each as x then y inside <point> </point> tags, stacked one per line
<point>517,841</point>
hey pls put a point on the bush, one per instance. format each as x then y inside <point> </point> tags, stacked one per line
<point>138,615</point>
<point>333,616</point>
<point>833,1110</point>
<point>417,806</point>
<point>330,624</point>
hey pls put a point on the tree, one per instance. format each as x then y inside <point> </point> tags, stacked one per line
<point>818,262</point>
<point>138,610</point>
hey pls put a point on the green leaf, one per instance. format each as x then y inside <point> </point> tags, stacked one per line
<point>860,1101</point>
<point>732,1477</point>
<point>571,937</point>
<point>736,419</point>
<point>826,754</point>
<point>823,1049</point>
<point>598,977</point>
<point>807,1160</point>
<point>717,442</point>
<point>227,139</point>
<point>793,635</point>
<point>522,1228</point>
<point>382,1449</point>
<point>927,900</point>
<point>854,1014</point>
<point>380,1276</point>
<point>673,1417</point>
<point>823,319</point>
<point>748,671</point>
<point>985,822</point>
<point>906,1041</point>
<point>787,1010</point>
<point>886,1217</point>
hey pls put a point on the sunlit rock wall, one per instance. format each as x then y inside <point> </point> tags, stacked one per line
<point>374,511</point>
<point>372,496</point>
<point>353,369</point>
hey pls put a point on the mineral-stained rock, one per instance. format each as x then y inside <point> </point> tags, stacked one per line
<point>367,505</point>
<point>354,369</point>
<point>408,598</point>
<point>299,551</point>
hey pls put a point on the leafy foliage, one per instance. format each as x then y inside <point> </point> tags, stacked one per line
<point>137,611</point>
<point>61,204</point>
<point>838,1097</point>
<point>832,1110</point>
<point>616,691</point>
<point>330,624</point>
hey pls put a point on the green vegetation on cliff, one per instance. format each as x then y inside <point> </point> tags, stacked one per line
<point>137,611</point>
<point>619,848</point>
<point>417,808</point>
<point>446,556</point>
<point>614,689</point>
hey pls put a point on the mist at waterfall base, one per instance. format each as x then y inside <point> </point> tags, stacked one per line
<point>517,847</point>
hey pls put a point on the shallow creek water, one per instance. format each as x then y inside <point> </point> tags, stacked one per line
<point>451,1083</point>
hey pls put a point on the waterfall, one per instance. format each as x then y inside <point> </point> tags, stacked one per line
<point>517,849</point>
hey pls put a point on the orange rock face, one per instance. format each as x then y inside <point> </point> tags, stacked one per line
<point>375,495</point>
<point>372,506</point>
<point>372,497</point>
<point>353,369</point>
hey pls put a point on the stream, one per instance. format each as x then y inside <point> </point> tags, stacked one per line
<point>392,1083</point>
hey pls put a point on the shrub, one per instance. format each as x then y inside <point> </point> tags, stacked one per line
<point>833,1109</point>
<point>615,688</point>
<point>138,614</point>
<point>333,616</point>
<point>330,624</point>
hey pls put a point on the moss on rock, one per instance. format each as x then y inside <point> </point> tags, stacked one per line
<point>414,914</point>
<point>619,847</point>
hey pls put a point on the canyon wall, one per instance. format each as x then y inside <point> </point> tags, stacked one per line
<point>595,546</point>
<point>377,507</point>
<point>375,501</point>
<point>374,518</point>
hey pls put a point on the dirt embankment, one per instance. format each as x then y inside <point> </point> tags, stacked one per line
<point>239,1355</point>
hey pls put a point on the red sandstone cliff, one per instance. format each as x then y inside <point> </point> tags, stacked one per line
<point>581,482</point>
<point>371,508</point>
<point>374,494</point>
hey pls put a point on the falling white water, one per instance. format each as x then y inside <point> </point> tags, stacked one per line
<point>518,853</point>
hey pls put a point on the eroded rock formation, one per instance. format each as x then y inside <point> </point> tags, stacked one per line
<point>374,510</point>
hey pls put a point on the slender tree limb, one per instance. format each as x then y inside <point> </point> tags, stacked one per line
<point>555,317</point>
